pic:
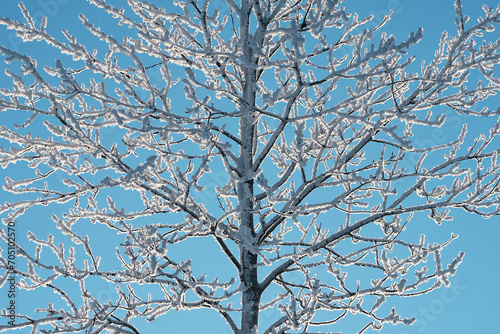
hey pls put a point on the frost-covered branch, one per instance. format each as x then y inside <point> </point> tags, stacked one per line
<point>294,152</point>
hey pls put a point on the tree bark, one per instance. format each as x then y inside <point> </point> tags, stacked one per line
<point>250,298</point>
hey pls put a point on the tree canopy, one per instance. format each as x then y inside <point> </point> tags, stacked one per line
<point>279,133</point>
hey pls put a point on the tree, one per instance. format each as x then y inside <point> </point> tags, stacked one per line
<point>309,117</point>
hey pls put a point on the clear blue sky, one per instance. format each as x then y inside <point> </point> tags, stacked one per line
<point>469,306</point>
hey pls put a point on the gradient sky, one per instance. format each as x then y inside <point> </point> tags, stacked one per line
<point>470,305</point>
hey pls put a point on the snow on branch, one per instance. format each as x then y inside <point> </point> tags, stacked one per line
<point>251,158</point>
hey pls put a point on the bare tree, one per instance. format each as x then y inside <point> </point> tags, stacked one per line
<point>309,118</point>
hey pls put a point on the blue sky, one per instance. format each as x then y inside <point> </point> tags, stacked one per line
<point>469,306</point>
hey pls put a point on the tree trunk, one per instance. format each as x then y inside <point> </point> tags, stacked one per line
<point>248,248</point>
<point>250,299</point>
